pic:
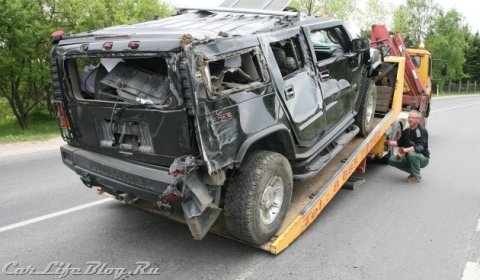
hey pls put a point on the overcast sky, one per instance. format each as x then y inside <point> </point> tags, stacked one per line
<point>465,7</point>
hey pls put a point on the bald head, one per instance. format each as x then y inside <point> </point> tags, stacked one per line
<point>413,118</point>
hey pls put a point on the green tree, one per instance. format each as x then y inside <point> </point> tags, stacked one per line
<point>472,56</point>
<point>447,43</point>
<point>400,24</point>
<point>414,19</point>
<point>311,7</point>
<point>343,10</point>
<point>25,28</point>
<point>82,15</point>
<point>24,64</point>
<point>337,9</point>
<point>374,13</point>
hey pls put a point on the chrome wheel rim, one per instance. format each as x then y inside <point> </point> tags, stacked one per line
<point>370,108</point>
<point>272,200</point>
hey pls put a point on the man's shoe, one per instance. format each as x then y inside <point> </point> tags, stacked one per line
<point>413,179</point>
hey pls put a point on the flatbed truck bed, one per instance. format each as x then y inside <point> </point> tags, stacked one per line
<point>311,196</point>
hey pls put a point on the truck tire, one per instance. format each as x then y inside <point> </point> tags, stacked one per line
<point>258,196</point>
<point>394,134</point>
<point>366,113</point>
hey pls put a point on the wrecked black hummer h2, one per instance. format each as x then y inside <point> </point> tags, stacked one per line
<point>211,110</point>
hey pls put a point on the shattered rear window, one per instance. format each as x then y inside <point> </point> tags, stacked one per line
<point>128,80</point>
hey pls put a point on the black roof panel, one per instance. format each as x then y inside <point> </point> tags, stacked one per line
<point>204,24</point>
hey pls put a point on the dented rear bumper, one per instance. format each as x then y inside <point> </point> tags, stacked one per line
<point>124,179</point>
<point>117,175</point>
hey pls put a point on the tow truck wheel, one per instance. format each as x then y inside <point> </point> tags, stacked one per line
<point>258,197</point>
<point>394,134</point>
<point>366,112</point>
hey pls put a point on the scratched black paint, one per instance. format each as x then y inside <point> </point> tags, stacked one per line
<point>296,113</point>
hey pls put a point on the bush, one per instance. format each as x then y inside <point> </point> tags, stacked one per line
<point>5,111</point>
<point>42,126</point>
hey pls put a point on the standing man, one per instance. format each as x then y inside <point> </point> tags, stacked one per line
<point>413,153</point>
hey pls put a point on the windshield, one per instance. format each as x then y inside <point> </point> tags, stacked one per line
<point>325,39</point>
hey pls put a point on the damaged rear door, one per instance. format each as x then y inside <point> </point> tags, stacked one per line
<point>128,107</point>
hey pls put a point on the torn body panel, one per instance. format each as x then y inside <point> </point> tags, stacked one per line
<point>224,103</point>
<point>200,208</point>
<point>224,127</point>
<point>199,201</point>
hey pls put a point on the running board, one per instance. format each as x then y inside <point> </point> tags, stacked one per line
<point>321,160</point>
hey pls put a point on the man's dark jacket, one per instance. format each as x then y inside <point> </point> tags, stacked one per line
<point>417,138</point>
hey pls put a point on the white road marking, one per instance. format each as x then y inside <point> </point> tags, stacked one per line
<point>472,271</point>
<point>54,214</point>
<point>451,108</point>
<point>245,275</point>
<point>478,225</point>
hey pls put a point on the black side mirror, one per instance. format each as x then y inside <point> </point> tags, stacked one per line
<point>360,45</point>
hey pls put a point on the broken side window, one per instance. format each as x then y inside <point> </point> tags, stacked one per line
<point>328,42</point>
<point>234,72</point>
<point>128,80</point>
<point>288,55</point>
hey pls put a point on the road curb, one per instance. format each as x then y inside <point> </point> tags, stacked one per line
<point>454,96</point>
<point>25,147</point>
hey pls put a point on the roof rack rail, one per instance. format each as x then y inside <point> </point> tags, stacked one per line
<point>238,10</point>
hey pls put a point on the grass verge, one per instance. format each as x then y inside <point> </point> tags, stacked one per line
<point>11,132</point>
<point>41,126</point>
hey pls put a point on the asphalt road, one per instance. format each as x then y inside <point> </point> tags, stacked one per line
<point>386,229</point>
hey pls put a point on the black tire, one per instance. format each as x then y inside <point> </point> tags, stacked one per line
<point>252,213</point>
<point>394,134</point>
<point>366,113</point>
<point>423,119</point>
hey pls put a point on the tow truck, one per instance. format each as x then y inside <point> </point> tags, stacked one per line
<point>417,89</point>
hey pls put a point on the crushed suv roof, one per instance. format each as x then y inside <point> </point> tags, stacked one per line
<point>272,5</point>
<point>208,23</point>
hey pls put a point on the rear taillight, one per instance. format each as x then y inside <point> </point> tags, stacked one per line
<point>63,120</point>
<point>133,45</point>
<point>62,116</point>
<point>108,45</point>
<point>172,197</point>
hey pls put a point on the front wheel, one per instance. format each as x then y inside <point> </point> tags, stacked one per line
<point>258,197</point>
<point>366,113</point>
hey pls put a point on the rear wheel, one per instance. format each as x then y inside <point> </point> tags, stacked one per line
<point>366,112</point>
<point>258,197</point>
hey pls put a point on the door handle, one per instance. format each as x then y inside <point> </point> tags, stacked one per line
<point>324,75</point>
<point>289,92</point>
